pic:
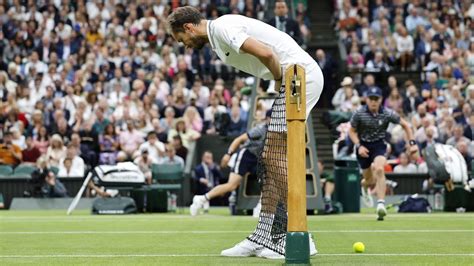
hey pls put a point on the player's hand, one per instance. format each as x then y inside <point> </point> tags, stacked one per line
<point>278,84</point>
<point>363,152</point>
<point>204,181</point>
<point>225,160</point>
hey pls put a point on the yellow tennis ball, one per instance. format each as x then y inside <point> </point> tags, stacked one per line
<point>359,247</point>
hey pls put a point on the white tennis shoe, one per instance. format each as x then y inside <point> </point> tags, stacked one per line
<point>199,201</point>
<point>246,248</point>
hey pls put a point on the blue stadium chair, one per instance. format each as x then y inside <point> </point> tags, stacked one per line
<point>24,170</point>
<point>54,169</point>
<point>168,177</point>
<point>5,170</point>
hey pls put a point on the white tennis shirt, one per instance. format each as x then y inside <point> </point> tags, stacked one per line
<point>227,34</point>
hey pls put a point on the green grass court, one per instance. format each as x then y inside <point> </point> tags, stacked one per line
<point>52,238</point>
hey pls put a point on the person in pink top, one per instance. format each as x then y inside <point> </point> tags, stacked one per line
<point>41,141</point>
<point>130,139</point>
<point>192,119</point>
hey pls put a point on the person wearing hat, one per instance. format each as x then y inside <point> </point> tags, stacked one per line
<point>368,128</point>
<point>340,95</point>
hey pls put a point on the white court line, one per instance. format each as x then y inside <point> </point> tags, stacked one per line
<point>225,217</point>
<point>217,255</point>
<point>227,232</point>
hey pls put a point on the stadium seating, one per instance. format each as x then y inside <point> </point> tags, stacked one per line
<point>23,170</point>
<point>5,170</point>
<point>168,177</point>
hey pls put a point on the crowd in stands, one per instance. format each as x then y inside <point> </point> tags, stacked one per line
<point>431,37</point>
<point>84,83</point>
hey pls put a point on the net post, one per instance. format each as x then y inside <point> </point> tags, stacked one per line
<point>297,240</point>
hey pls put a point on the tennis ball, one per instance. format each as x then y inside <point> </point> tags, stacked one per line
<point>359,247</point>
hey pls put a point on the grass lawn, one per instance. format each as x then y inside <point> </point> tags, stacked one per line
<point>52,238</point>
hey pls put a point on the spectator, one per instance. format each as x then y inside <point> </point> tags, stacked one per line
<point>463,148</point>
<point>412,21</point>
<point>66,169</point>
<point>340,95</point>
<point>369,82</point>
<point>329,68</point>
<point>206,174</point>
<point>458,137</point>
<point>210,113</point>
<point>109,145</point>
<point>405,167</point>
<point>284,23</point>
<point>78,166</point>
<point>192,119</point>
<point>355,60</point>
<point>377,64</point>
<point>145,162</point>
<point>18,138</point>
<point>181,151</point>
<point>405,48</point>
<point>394,101</point>
<point>188,135</point>
<point>31,154</point>
<point>171,157</point>
<point>130,139</point>
<point>420,134</point>
<point>237,125</point>
<point>469,129</point>
<point>201,92</point>
<point>10,154</point>
<point>167,122</point>
<point>411,101</point>
<point>155,149</point>
<point>52,187</point>
<point>421,114</point>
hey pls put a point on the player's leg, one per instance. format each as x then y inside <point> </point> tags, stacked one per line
<point>380,186</point>
<point>314,88</point>
<point>328,191</point>
<point>367,183</point>
<point>368,180</point>
<point>200,201</point>
<point>221,190</point>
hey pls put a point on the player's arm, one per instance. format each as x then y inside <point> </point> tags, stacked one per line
<point>361,150</point>
<point>236,143</point>
<point>413,147</point>
<point>353,136</point>
<point>407,128</point>
<point>233,147</point>
<point>265,54</point>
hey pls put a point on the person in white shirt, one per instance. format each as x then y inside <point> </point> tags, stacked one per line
<point>155,148</point>
<point>77,167</point>
<point>263,51</point>
<point>405,167</point>
<point>405,48</point>
<point>145,162</point>
<point>35,63</point>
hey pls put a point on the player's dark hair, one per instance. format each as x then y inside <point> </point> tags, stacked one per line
<point>183,15</point>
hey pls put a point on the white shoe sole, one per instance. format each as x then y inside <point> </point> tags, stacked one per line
<point>270,254</point>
